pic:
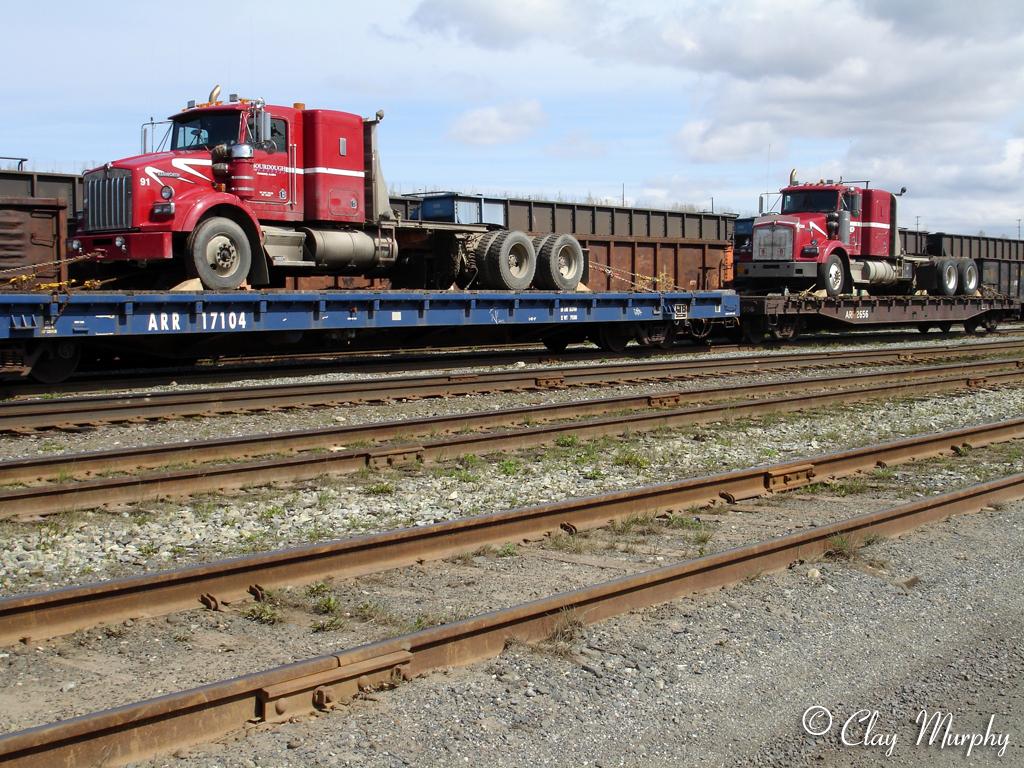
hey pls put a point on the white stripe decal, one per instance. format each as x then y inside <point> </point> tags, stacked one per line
<point>186,165</point>
<point>333,172</point>
<point>869,224</point>
<point>812,225</point>
<point>301,171</point>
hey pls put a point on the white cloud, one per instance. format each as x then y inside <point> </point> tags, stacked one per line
<point>498,124</point>
<point>706,142</point>
<point>504,25</point>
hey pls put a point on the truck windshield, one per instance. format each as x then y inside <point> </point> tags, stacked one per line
<point>808,201</point>
<point>205,130</point>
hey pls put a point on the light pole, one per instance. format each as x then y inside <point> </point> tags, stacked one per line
<point>1018,229</point>
<point>917,223</point>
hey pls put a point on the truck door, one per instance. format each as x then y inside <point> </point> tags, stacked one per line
<point>276,172</point>
<point>856,235</point>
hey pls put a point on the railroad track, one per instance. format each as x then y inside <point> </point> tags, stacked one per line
<point>324,450</point>
<point>75,413</point>
<point>137,731</point>
<point>38,616</point>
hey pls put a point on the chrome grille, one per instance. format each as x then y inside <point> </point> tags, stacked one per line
<point>108,199</point>
<point>773,243</point>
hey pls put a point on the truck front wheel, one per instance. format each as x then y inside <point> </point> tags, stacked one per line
<point>832,276</point>
<point>220,253</point>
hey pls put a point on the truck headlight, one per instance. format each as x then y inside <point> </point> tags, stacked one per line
<point>75,245</point>
<point>163,209</point>
<point>166,192</point>
<point>119,242</point>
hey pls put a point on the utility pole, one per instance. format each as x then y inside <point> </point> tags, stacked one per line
<point>1018,229</point>
<point>623,194</point>
<point>917,223</point>
<point>713,210</point>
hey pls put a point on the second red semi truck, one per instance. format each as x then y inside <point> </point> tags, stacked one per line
<point>841,236</point>
<point>247,193</point>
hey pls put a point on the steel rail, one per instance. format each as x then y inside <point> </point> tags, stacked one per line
<point>131,460</point>
<point>156,726</point>
<point>31,502</point>
<point>73,412</point>
<point>41,615</point>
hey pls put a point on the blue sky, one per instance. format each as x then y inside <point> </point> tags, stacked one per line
<point>679,102</point>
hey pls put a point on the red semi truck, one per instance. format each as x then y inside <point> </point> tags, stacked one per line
<point>248,193</point>
<point>841,236</point>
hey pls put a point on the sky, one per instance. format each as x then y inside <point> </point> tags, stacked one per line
<point>663,103</point>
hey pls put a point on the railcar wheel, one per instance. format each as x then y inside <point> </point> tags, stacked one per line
<point>220,253</point>
<point>945,327</point>
<point>555,343</point>
<point>948,277</point>
<point>56,362</point>
<point>924,328</point>
<point>613,338</point>
<point>832,276</point>
<point>559,263</point>
<point>967,272</point>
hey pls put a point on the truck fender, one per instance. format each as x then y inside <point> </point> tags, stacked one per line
<point>202,207</point>
<point>223,204</point>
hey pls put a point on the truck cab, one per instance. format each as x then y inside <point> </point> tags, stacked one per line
<point>259,172</point>
<point>826,235</point>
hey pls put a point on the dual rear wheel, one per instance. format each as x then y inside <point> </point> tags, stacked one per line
<point>511,261</point>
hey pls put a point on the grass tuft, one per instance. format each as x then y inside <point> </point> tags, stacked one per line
<point>263,613</point>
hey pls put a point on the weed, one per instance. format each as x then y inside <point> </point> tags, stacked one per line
<point>509,467</point>
<point>425,620</point>
<point>702,536</point>
<point>370,611</point>
<point>848,487</point>
<point>463,558</point>
<point>567,441</point>
<point>639,524</point>
<point>148,549</point>
<point>204,510</point>
<point>593,474</point>
<point>326,605</point>
<point>471,460</point>
<point>318,589</point>
<point>256,541</point>
<point>330,624</point>
<point>508,550</point>
<point>841,546</point>
<point>317,532</point>
<point>884,473</point>
<point>323,499</point>
<point>485,551</point>
<point>382,488</point>
<point>632,458</point>
<point>685,522</point>
<point>270,512</point>
<point>263,613</point>
<point>182,636</point>
<point>562,542</point>
<point>568,629</point>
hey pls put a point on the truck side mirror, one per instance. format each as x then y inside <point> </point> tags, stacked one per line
<point>857,204</point>
<point>264,126</point>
